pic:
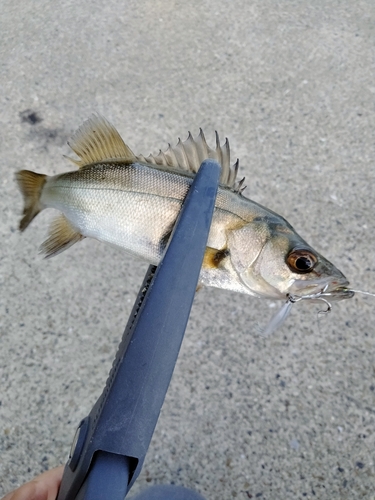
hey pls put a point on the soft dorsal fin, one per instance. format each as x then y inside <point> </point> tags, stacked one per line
<point>189,155</point>
<point>97,140</point>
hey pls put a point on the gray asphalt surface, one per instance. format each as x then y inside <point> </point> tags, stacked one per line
<point>292,85</point>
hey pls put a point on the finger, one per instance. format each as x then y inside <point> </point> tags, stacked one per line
<point>43,487</point>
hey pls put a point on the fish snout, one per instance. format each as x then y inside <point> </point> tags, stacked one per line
<point>332,288</point>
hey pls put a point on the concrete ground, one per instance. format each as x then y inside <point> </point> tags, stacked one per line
<point>292,84</point>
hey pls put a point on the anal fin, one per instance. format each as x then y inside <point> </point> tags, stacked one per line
<point>62,235</point>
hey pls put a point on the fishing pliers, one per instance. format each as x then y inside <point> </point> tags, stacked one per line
<point>110,444</point>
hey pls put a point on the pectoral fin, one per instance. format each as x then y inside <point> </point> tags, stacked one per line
<point>62,235</point>
<point>213,257</point>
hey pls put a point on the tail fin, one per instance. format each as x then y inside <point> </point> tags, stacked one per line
<point>31,185</point>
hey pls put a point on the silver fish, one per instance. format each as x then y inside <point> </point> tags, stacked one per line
<point>132,201</point>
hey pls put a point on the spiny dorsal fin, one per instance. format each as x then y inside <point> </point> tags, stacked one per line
<point>62,235</point>
<point>97,140</point>
<point>189,155</point>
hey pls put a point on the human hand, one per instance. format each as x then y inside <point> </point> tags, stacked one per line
<point>43,487</point>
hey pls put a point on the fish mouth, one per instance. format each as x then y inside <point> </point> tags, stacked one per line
<point>339,293</point>
<point>321,289</point>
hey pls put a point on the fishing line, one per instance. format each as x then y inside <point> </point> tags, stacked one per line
<point>364,293</point>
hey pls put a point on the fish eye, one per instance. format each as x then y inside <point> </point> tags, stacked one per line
<point>301,261</point>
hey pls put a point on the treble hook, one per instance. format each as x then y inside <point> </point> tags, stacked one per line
<point>329,307</point>
<point>315,296</point>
